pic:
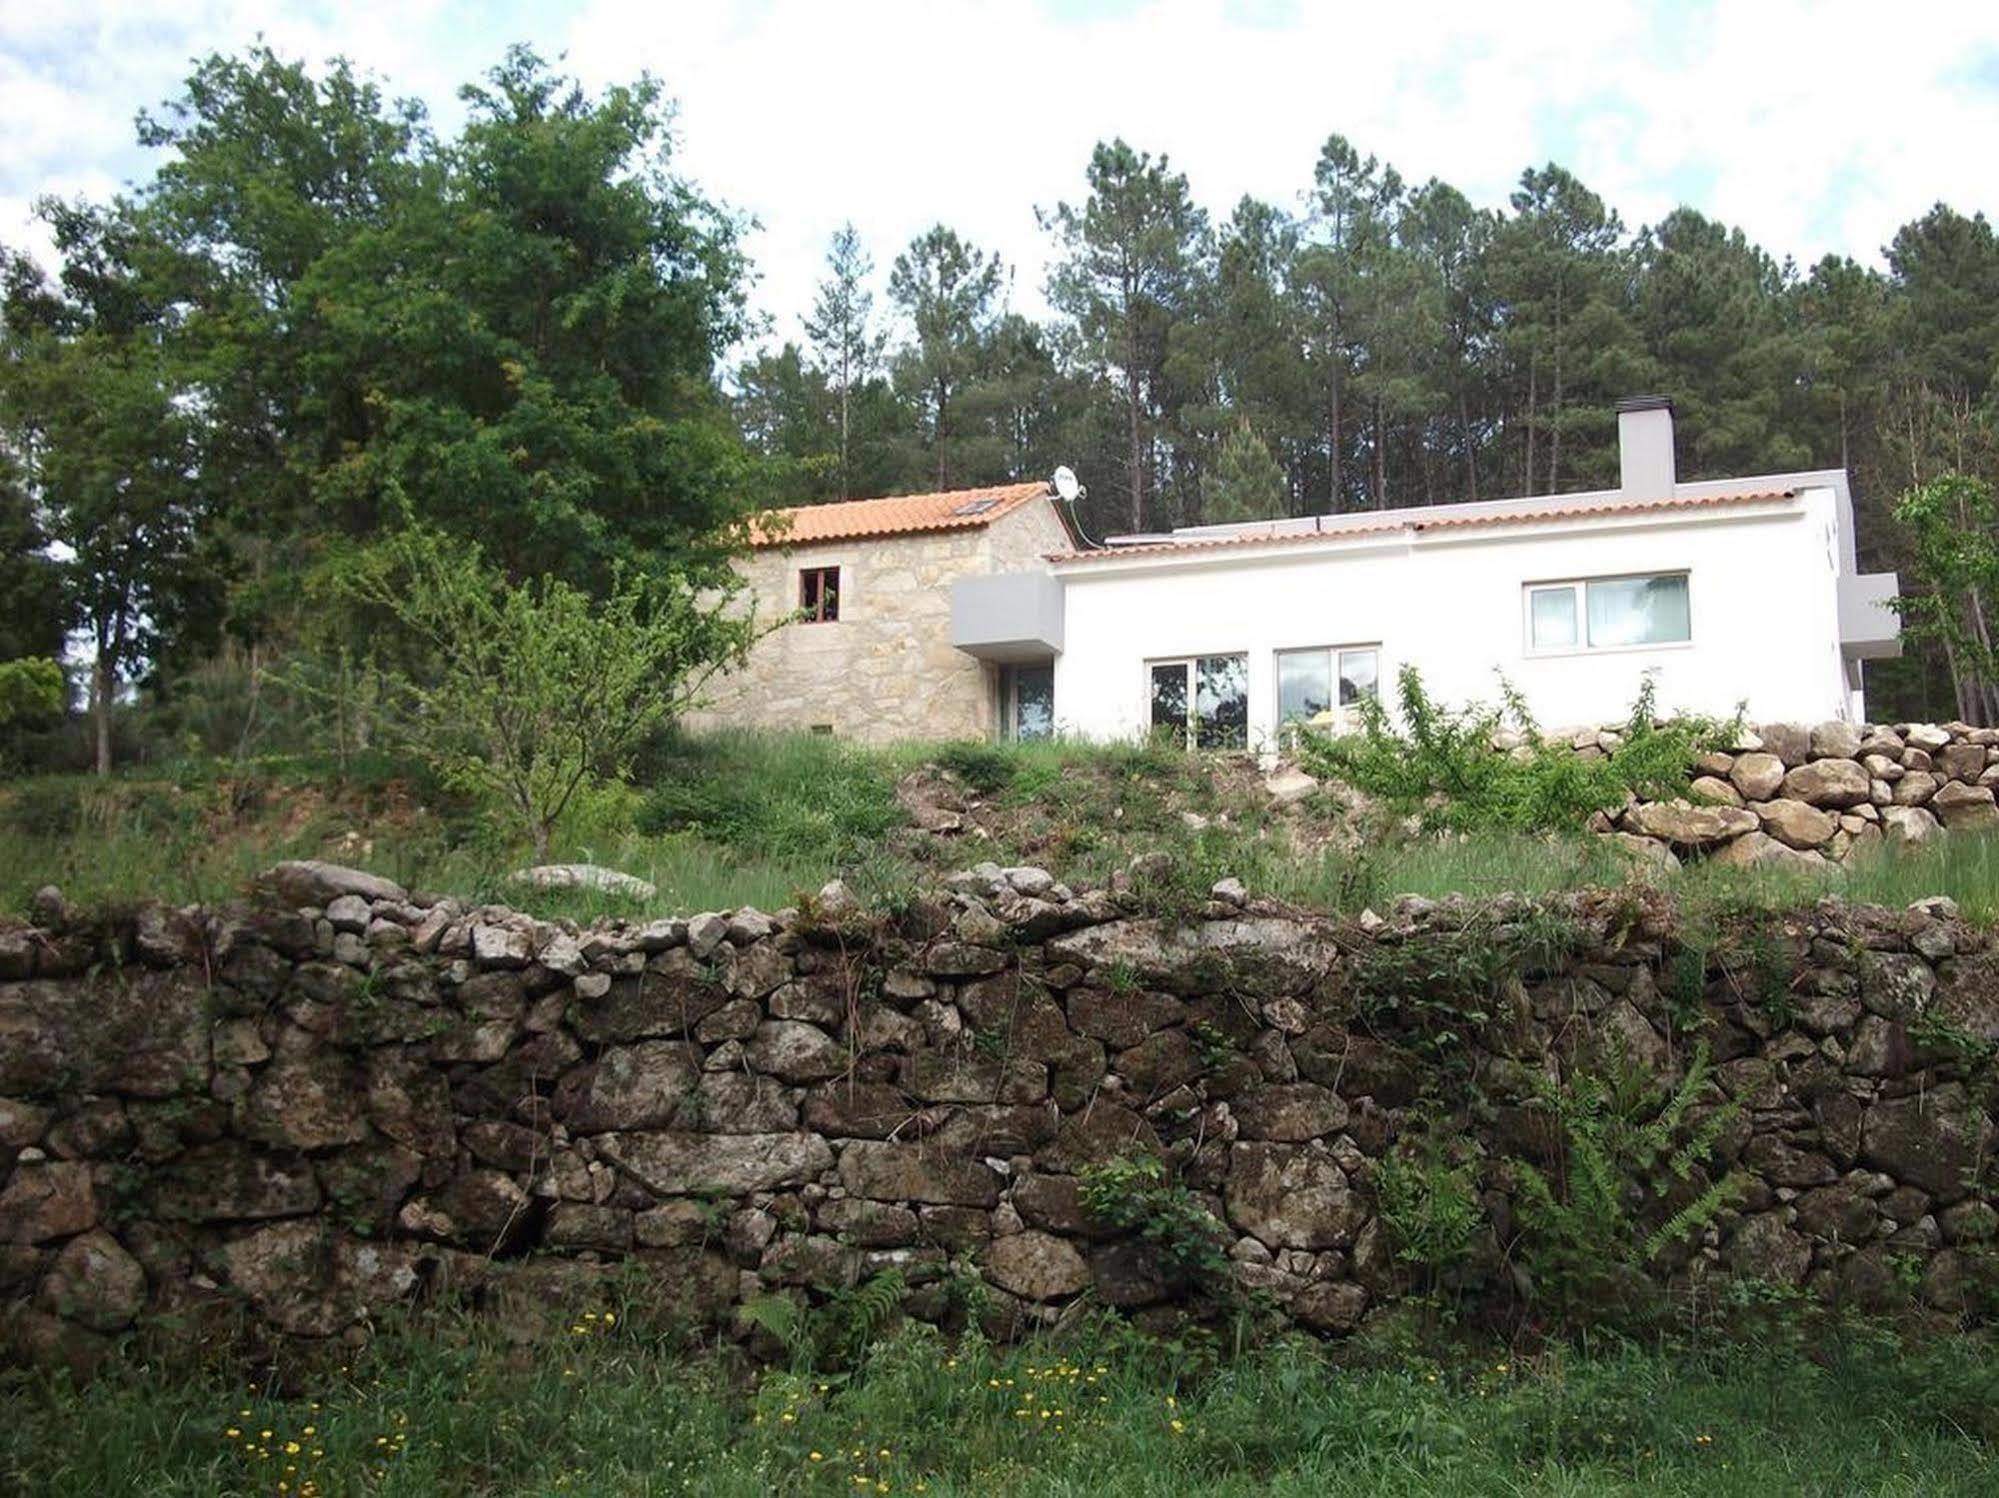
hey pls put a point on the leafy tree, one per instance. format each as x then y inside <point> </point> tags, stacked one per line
<point>90,397</point>
<point>1247,483</point>
<point>510,335</point>
<point>946,288</point>
<point>1132,254</point>
<point>787,415</point>
<point>842,333</point>
<point>31,602</point>
<point>528,692</point>
<point>1341,281</point>
<point>1953,523</point>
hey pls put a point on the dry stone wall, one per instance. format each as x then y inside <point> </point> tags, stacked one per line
<point>1806,795</point>
<point>350,1097</point>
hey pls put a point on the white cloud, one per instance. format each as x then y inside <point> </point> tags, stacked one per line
<point>1815,127</point>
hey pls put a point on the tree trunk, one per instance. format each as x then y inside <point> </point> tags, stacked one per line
<point>1333,438</point>
<point>1137,448</point>
<point>1533,380</point>
<point>845,385</point>
<point>100,709</point>
<point>540,841</point>
<point>1555,409</point>
<point>1380,459</point>
<point>1471,459</point>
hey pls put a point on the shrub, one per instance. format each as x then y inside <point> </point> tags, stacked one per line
<point>986,768</point>
<point>1134,1196</point>
<point>1628,1186</point>
<point>1442,766</point>
<point>776,795</point>
<point>1429,1206</point>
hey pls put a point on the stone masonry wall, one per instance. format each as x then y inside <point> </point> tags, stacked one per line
<point>1806,795</point>
<point>350,1097</point>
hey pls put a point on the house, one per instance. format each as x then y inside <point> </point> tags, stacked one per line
<point>1724,592</point>
<point>979,613</point>
<point>868,652</point>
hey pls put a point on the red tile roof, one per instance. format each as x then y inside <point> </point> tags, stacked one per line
<point>1436,517</point>
<point>899,515</point>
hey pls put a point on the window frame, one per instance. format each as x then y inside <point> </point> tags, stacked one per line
<point>1190,666</point>
<point>1008,691</point>
<point>1334,655</point>
<point>815,612</point>
<point>1578,589</point>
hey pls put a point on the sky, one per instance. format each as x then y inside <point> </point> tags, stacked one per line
<point>1815,127</point>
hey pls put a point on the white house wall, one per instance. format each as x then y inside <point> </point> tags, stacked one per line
<point>1762,594</point>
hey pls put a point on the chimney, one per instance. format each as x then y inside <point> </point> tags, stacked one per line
<point>1645,447</point>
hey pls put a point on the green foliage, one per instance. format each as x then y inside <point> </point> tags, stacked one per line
<point>624,1408</point>
<point>1629,1186</point>
<point>1440,989</point>
<point>1442,767</point>
<point>1953,523</point>
<point>32,691</point>
<point>986,767</point>
<point>1135,1196</point>
<point>528,692</point>
<point>835,1335</point>
<point>1428,1193</point>
<point>770,795</point>
<point>1248,484</point>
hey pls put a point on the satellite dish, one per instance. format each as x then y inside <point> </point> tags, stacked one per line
<point>1066,485</point>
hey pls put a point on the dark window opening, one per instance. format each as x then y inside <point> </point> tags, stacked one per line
<point>819,594</point>
<point>1202,703</point>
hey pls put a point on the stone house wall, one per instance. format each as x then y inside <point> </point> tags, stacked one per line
<point>886,669</point>
<point>352,1097</point>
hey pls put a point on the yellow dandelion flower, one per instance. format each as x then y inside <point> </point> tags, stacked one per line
<point>609,1319</point>
<point>814,1456</point>
<point>1178,1427</point>
<point>292,1448</point>
<point>232,1432</point>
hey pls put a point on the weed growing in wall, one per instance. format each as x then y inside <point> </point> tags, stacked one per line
<point>1135,1196</point>
<point>1627,1184</point>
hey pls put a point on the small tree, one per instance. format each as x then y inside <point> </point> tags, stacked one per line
<point>1248,484</point>
<point>527,692</point>
<point>1954,524</point>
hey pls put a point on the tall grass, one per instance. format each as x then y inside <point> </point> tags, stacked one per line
<point>614,1412</point>
<point>743,818</point>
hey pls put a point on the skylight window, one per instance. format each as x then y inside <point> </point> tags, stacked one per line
<point>975,507</point>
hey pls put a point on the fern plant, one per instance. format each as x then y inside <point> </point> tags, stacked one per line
<point>834,1336</point>
<point>1592,1227</point>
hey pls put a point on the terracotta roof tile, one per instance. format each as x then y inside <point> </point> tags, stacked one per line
<point>898,515</point>
<point>1553,510</point>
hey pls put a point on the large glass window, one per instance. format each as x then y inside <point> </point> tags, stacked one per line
<point>1551,616</point>
<point>1313,682</point>
<point>1304,684</point>
<point>1202,702</point>
<point>1610,613</point>
<point>1027,702</point>
<point>1360,675</point>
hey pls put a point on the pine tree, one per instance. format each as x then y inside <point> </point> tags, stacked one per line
<point>945,287</point>
<point>1247,483</point>
<point>843,337</point>
<point>1132,255</point>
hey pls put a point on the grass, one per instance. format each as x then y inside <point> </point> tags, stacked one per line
<point>617,1412</point>
<point>734,819</point>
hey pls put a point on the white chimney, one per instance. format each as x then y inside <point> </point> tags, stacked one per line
<point>1645,447</point>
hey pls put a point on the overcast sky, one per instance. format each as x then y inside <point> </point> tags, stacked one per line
<point>1815,127</point>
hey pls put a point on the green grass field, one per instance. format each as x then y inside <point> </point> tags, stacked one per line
<point>611,1413</point>
<point>738,819</point>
